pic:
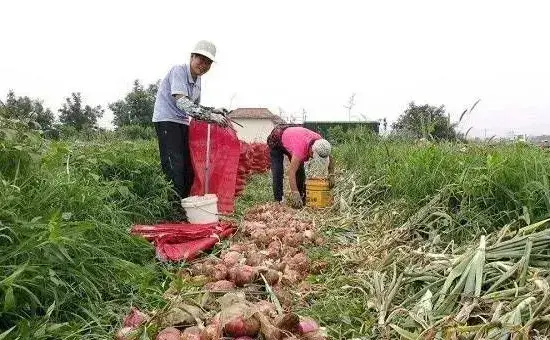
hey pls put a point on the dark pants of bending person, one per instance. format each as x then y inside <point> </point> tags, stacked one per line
<point>277,155</point>
<point>175,156</point>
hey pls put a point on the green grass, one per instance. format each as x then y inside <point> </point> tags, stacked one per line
<point>69,268</point>
<point>257,191</point>
<point>337,304</point>
<point>484,186</point>
<point>449,191</point>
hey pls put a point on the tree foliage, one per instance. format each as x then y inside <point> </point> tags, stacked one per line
<point>137,107</point>
<point>74,113</point>
<point>425,121</point>
<point>26,109</point>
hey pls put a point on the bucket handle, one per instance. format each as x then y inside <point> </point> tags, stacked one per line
<point>218,214</point>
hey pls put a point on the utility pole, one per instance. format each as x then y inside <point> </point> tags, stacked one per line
<point>304,115</point>
<point>350,105</point>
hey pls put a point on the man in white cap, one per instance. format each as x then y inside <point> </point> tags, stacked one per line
<point>177,101</point>
<point>299,145</point>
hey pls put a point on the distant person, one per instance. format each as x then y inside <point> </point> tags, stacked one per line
<point>299,145</point>
<point>177,101</point>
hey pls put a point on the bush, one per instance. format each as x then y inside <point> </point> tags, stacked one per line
<point>20,149</point>
<point>485,186</point>
<point>133,132</point>
<point>68,266</point>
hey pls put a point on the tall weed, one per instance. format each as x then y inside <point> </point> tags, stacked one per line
<point>68,266</point>
<point>485,186</point>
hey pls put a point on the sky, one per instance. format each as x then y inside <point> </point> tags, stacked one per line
<point>294,55</point>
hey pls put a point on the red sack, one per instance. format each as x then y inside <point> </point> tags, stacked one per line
<point>231,162</point>
<point>254,158</point>
<point>224,160</point>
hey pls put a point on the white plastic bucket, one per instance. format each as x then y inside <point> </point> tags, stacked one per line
<point>201,209</point>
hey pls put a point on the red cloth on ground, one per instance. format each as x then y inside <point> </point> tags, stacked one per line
<point>183,241</point>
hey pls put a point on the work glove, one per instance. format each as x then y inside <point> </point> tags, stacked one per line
<point>224,112</point>
<point>221,111</point>
<point>218,116</point>
<point>295,200</point>
<point>219,119</point>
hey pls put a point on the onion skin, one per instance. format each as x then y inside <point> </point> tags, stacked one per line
<point>317,335</point>
<point>241,275</point>
<point>126,333</point>
<point>254,259</point>
<point>238,327</point>
<point>307,325</point>
<point>169,333</point>
<point>272,276</point>
<point>240,248</point>
<point>220,286</point>
<point>266,308</point>
<point>231,258</point>
<point>135,318</point>
<point>287,322</point>
<point>219,272</point>
<point>309,234</point>
<point>211,332</point>
<point>192,333</point>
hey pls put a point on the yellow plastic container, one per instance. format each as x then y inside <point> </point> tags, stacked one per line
<point>318,194</point>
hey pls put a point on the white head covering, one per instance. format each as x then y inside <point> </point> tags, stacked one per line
<point>321,147</point>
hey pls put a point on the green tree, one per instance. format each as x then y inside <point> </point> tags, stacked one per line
<point>425,121</point>
<point>26,109</point>
<point>74,113</point>
<point>137,107</point>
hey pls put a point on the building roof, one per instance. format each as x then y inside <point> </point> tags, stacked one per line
<point>254,113</point>
<point>342,122</point>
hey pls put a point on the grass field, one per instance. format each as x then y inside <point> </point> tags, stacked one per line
<point>70,269</point>
<point>408,219</point>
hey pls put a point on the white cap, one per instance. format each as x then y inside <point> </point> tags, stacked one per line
<point>205,48</point>
<point>321,147</point>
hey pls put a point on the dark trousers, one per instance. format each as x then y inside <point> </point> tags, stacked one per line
<point>175,156</point>
<point>277,155</point>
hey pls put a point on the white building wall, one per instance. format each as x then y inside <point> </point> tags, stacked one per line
<point>253,130</point>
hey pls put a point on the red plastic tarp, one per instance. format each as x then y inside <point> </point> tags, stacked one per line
<point>183,241</point>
